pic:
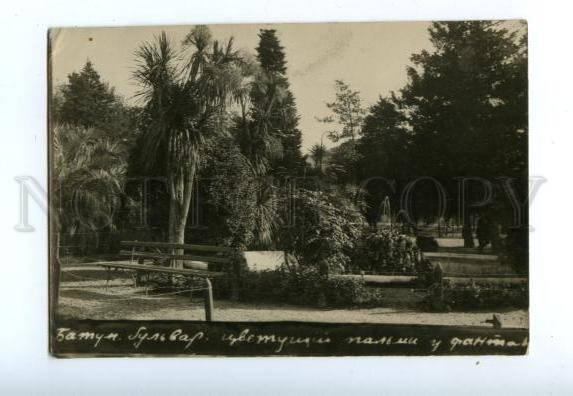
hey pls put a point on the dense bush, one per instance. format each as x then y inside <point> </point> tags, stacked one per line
<point>351,291</point>
<point>387,251</point>
<point>476,295</point>
<point>305,287</point>
<point>323,230</point>
<point>231,206</point>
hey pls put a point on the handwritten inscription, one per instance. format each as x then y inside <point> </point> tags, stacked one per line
<point>496,341</point>
<point>382,340</point>
<point>138,338</point>
<point>291,339</point>
<point>179,336</point>
<point>67,334</point>
<point>279,342</point>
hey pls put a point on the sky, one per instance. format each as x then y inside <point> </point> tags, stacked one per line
<point>370,57</point>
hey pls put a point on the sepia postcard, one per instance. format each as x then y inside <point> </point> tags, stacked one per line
<point>324,189</point>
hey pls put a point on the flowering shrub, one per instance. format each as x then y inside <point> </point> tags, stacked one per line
<point>386,251</point>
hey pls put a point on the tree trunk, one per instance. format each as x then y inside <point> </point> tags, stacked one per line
<point>177,223</point>
<point>181,190</point>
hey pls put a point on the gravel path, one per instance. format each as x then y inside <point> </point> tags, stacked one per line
<point>89,299</point>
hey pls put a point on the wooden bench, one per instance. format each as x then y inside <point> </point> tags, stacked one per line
<point>205,261</point>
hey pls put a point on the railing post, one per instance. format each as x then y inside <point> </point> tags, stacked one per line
<point>208,301</point>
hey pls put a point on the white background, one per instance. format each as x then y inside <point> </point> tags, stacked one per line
<point>26,367</point>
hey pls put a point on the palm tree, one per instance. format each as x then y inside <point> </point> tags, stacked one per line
<point>88,173</point>
<point>260,145</point>
<point>266,209</point>
<point>259,95</point>
<point>186,104</point>
<point>87,181</point>
<point>254,134</point>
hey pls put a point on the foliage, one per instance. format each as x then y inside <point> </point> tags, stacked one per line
<point>341,164</point>
<point>477,295</point>
<point>383,155</point>
<point>351,292</point>
<point>291,162</point>
<point>387,251</point>
<point>347,112</point>
<point>466,100</point>
<point>232,203</point>
<point>268,131</point>
<point>463,112</point>
<point>88,102</point>
<point>85,101</point>
<point>283,118</point>
<point>93,132</point>
<point>270,53</point>
<point>259,141</point>
<point>384,139</point>
<point>244,212</point>
<point>88,179</point>
<point>322,230</point>
<point>305,287</point>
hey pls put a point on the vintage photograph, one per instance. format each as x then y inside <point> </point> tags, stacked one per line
<point>320,189</point>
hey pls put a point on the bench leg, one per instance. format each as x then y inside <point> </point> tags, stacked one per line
<point>208,301</point>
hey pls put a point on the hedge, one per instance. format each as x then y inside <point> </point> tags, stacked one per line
<point>476,296</point>
<point>304,287</point>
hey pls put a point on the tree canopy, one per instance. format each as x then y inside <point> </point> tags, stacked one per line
<point>462,113</point>
<point>88,102</point>
<point>466,101</point>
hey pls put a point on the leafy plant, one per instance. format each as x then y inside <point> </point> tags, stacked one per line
<point>476,295</point>
<point>244,213</point>
<point>387,251</point>
<point>306,287</point>
<point>322,230</point>
<point>88,179</point>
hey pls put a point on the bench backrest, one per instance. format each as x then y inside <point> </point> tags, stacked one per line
<point>174,251</point>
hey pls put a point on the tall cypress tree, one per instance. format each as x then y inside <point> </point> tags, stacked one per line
<point>283,118</point>
<point>270,53</point>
